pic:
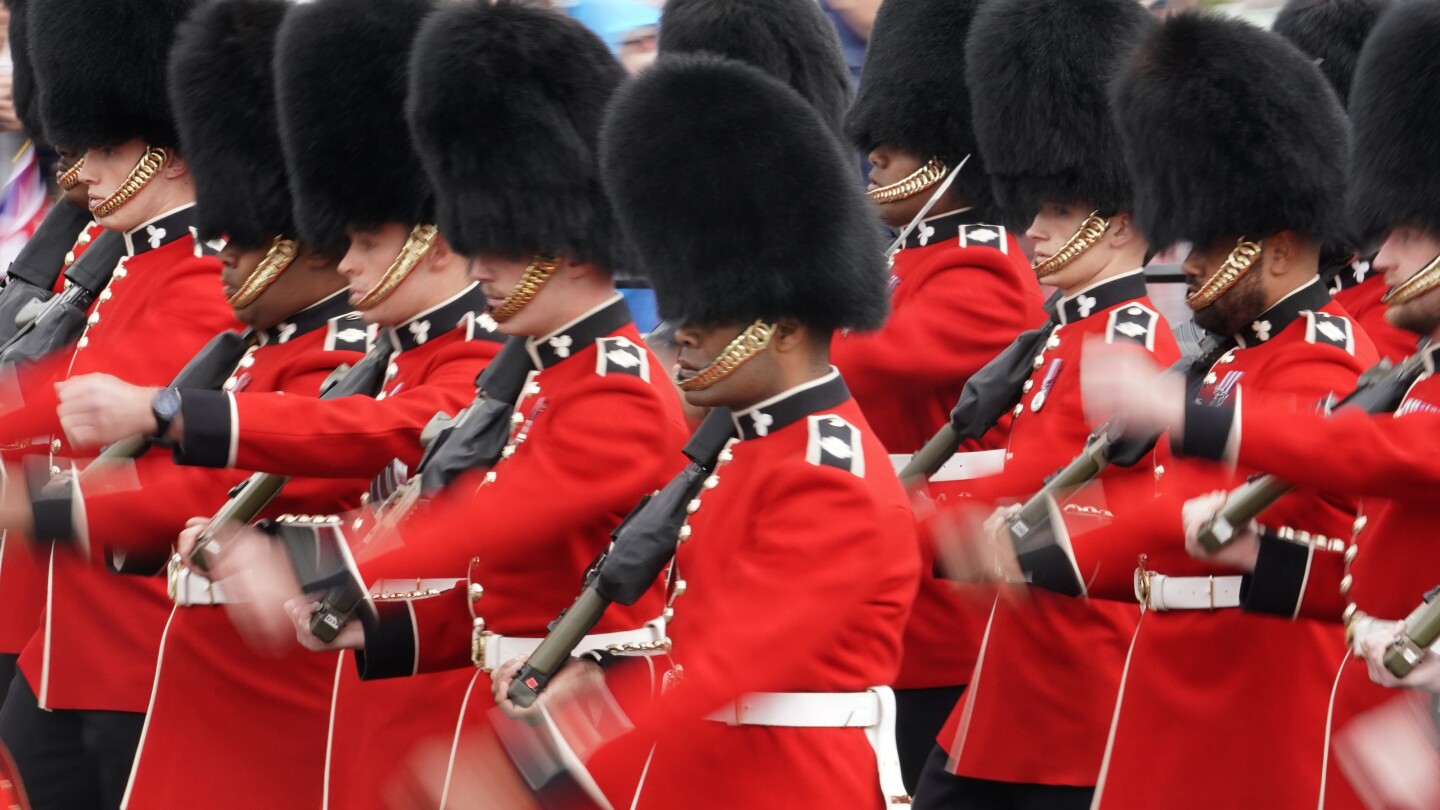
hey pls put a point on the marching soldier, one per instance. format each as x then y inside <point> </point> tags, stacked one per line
<point>1039,74</point>
<point>1253,179</point>
<point>803,509</point>
<point>961,291</point>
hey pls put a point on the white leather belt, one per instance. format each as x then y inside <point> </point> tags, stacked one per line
<point>1159,592</point>
<point>490,650</point>
<point>410,588</point>
<point>961,466</point>
<point>189,589</point>
<point>872,710</point>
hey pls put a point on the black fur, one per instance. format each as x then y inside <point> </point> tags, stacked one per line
<point>505,106</point>
<point>341,80</point>
<point>791,40</point>
<point>222,87</point>
<point>1396,156</point>
<point>101,68</point>
<point>1332,33</point>
<point>913,95</point>
<point>24,89</point>
<point>1229,130</point>
<point>736,209</point>
<point>1039,74</point>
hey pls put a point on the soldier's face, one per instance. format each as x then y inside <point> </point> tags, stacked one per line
<point>236,265</point>
<point>106,168</point>
<point>1051,230</point>
<point>1241,304</point>
<point>372,252</point>
<point>498,276</point>
<point>748,384</point>
<point>890,165</point>
<point>1406,251</point>
<point>307,280</point>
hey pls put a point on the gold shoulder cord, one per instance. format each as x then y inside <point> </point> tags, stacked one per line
<point>922,178</point>
<point>282,252</point>
<point>746,345</point>
<point>534,277</point>
<point>421,238</point>
<point>70,178</point>
<point>145,170</point>
<point>1236,265</point>
<point>1425,279</point>
<point>1084,238</point>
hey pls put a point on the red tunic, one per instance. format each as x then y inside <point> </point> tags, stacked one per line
<point>962,291</point>
<point>801,569</point>
<point>1362,300</point>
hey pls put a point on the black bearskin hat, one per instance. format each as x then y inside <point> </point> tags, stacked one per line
<point>1396,159</point>
<point>913,95</point>
<point>222,86</point>
<point>1039,74</point>
<point>791,40</point>
<point>736,210</point>
<point>101,68</point>
<point>340,71</point>
<point>1229,130</point>
<point>1331,32</point>
<point>24,89</point>
<point>506,103</point>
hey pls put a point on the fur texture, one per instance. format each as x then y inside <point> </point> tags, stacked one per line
<point>1230,130</point>
<point>1331,32</point>
<point>505,106</point>
<point>791,40</point>
<point>1039,74</point>
<point>101,68</point>
<point>1396,155</point>
<point>736,208</point>
<point>24,89</point>
<point>913,95</point>
<point>222,87</point>
<point>340,85</point>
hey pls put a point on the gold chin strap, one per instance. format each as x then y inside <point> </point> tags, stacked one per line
<point>282,252</point>
<point>1423,281</point>
<point>421,238</point>
<point>145,170</point>
<point>70,178</point>
<point>746,345</point>
<point>531,281</point>
<point>1083,239</point>
<point>919,180</point>
<point>1245,254</point>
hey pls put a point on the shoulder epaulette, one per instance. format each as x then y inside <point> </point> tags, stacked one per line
<point>992,236</point>
<point>204,248</point>
<point>617,355</point>
<point>347,333</point>
<point>1134,323</point>
<point>835,443</point>
<point>1330,330</point>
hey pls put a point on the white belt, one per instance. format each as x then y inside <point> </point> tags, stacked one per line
<point>1159,592</point>
<point>961,466</point>
<point>189,589</point>
<point>490,650</point>
<point>872,710</point>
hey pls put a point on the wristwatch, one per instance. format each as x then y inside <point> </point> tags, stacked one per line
<point>165,407</point>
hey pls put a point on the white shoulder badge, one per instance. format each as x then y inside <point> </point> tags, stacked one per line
<point>835,443</point>
<point>1134,323</point>
<point>619,356</point>
<point>984,236</point>
<point>347,333</point>
<point>1330,330</point>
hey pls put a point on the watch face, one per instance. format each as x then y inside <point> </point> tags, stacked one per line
<point>167,404</point>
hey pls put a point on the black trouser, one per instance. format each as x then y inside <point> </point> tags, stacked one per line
<point>941,790</point>
<point>69,759</point>
<point>919,716</point>
<point>8,665</point>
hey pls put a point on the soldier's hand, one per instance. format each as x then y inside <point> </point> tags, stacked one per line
<point>1125,387</point>
<point>1243,549</point>
<point>256,571</point>
<point>975,551</point>
<point>1425,675</point>
<point>578,679</point>
<point>350,637</point>
<point>98,409</point>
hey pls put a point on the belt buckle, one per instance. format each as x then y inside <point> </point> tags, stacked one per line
<point>478,638</point>
<point>1142,584</point>
<point>1210,586</point>
<point>173,572</point>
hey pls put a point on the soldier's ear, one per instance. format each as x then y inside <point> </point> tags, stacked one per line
<point>175,166</point>
<point>1282,250</point>
<point>790,335</point>
<point>1122,230</point>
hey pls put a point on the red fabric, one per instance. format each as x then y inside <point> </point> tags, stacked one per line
<point>1363,303</point>
<point>87,234</point>
<point>953,309</point>
<point>800,580</point>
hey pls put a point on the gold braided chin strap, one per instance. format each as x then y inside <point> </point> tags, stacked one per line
<point>282,252</point>
<point>70,178</point>
<point>421,238</point>
<point>1245,254</point>
<point>746,345</point>
<point>917,181</point>
<point>145,170</point>
<point>1084,238</point>
<point>531,281</point>
<point>1423,281</point>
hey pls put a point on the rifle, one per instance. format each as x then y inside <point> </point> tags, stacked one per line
<point>641,546</point>
<point>1422,629</point>
<point>62,319</point>
<point>251,497</point>
<point>32,274</point>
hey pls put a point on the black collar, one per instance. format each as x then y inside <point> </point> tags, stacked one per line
<point>572,337</point>
<point>308,319</point>
<point>160,231</point>
<point>459,310</point>
<point>1353,274</point>
<point>1310,297</point>
<point>1102,296</point>
<point>937,229</point>
<point>785,409</point>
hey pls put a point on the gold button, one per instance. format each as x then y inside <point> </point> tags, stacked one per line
<point>667,614</point>
<point>476,591</point>
<point>1019,409</point>
<point>106,295</point>
<point>1025,389</point>
<point>55,446</point>
<point>121,272</point>
<point>507,451</point>
<point>490,477</point>
<point>1351,553</point>
<point>1349,613</point>
<point>83,342</point>
<point>93,319</point>
<point>517,418</point>
<point>229,384</point>
<point>680,586</point>
<point>69,258</point>
<point>1039,361</point>
<point>712,482</point>
<point>1210,378</point>
<point>684,532</point>
<point>1159,471</point>
<point>692,507</point>
<point>726,457</point>
<point>1359,525</point>
<point>1345,583</point>
<point>1053,342</point>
